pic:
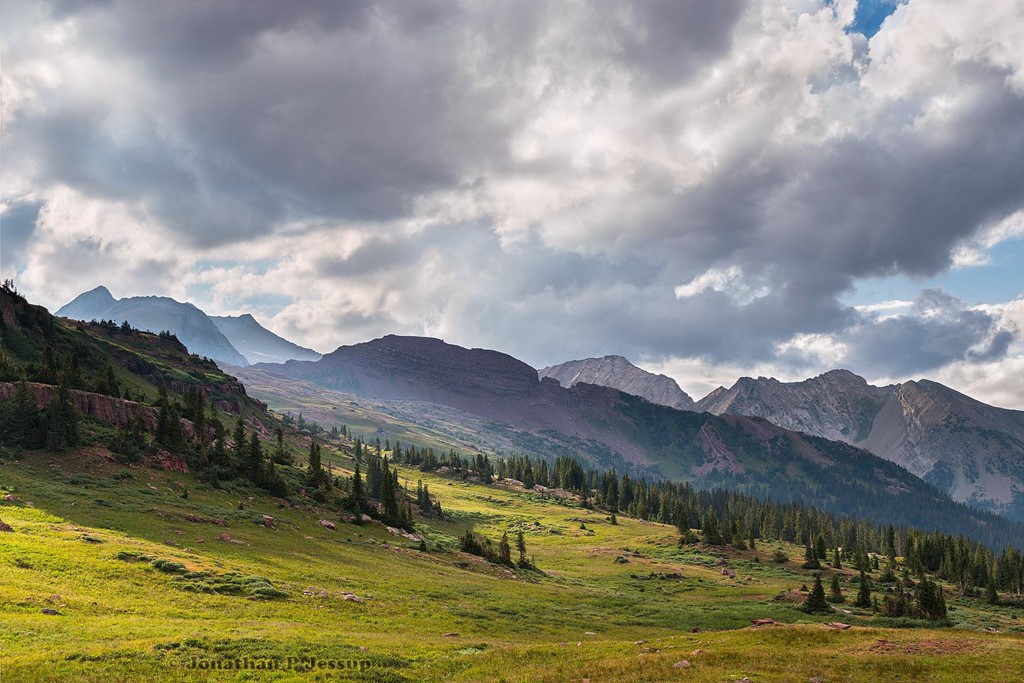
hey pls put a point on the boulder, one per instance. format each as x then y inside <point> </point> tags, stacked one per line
<point>5,527</point>
<point>682,665</point>
<point>327,524</point>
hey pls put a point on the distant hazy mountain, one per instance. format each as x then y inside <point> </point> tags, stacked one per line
<point>618,373</point>
<point>971,450</point>
<point>193,328</point>
<point>608,427</point>
<point>257,343</point>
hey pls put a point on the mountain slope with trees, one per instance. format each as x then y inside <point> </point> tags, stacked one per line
<point>970,450</point>
<point>605,427</point>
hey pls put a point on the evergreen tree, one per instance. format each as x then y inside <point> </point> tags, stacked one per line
<point>836,594</point>
<point>991,594</point>
<point>238,439</point>
<point>864,592</point>
<point>504,550</point>
<point>930,602</point>
<point>61,421</point>
<point>317,476</point>
<point>388,501</point>
<point>815,602</point>
<point>837,561</point>
<point>712,534</point>
<point>21,419</point>
<point>254,460</point>
<point>811,557</point>
<point>357,499</point>
<point>521,547</point>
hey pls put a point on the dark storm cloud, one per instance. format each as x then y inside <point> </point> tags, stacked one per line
<point>940,330</point>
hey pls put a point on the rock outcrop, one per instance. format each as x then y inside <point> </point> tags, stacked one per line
<point>618,373</point>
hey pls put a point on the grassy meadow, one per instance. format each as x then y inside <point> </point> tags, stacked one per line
<point>154,576</point>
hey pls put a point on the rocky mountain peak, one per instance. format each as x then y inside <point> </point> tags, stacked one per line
<point>619,373</point>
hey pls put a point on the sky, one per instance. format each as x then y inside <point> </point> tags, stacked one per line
<point>711,189</point>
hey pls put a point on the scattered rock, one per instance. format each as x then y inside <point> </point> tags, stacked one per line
<point>765,622</point>
<point>365,519</point>
<point>404,534</point>
<point>5,527</point>
<point>836,626</point>
<point>50,611</point>
<point>267,521</point>
<point>310,538</point>
<point>225,537</point>
<point>684,664</point>
<point>729,572</point>
<point>327,524</point>
<point>11,498</point>
<point>697,652</point>
<point>352,597</point>
<point>640,642</point>
<point>450,635</point>
<point>621,560</point>
<point>589,633</point>
<point>695,630</point>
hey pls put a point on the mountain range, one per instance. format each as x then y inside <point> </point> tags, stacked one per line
<point>607,427</point>
<point>973,451</point>
<point>228,340</point>
<point>967,449</point>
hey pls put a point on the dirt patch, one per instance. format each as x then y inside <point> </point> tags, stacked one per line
<point>930,646</point>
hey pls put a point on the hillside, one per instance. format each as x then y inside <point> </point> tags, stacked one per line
<point>605,427</point>
<point>618,373</point>
<point>970,450</point>
<point>156,314</point>
<point>111,573</point>
<point>257,343</point>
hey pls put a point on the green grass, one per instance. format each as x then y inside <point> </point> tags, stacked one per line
<point>145,589</point>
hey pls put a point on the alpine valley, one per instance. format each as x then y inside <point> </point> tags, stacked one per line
<point>405,509</point>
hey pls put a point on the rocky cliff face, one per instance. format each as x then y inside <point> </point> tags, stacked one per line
<point>155,314</point>
<point>618,373</point>
<point>838,405</point>
<point>971,450</point>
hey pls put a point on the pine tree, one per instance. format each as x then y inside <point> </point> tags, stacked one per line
<point>837,561</point>
<point>836,595</point>
<point>504,550</point>
<point>991,594</point>
<point>388,502</point>
<point>61,420</point>
<point>238,440</point>
<point>811,557</point>
<point>357,499</point>
<point>816,603</point>
<point>317,476</point>
<point>254,460</point>
<point>21,419</point>
<point>712,534</point>
<point>864,592</point>
<point>521,547</point>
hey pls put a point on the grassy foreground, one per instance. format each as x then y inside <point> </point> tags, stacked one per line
<point>153,576</point>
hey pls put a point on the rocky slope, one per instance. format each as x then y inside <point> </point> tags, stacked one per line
<point>155,314</point>
<point>973,451</point>
<point>618,373</point>
<point>257,343</point>
<point>608,427</point>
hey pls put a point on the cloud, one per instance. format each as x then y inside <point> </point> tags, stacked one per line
<point>665,180</point>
